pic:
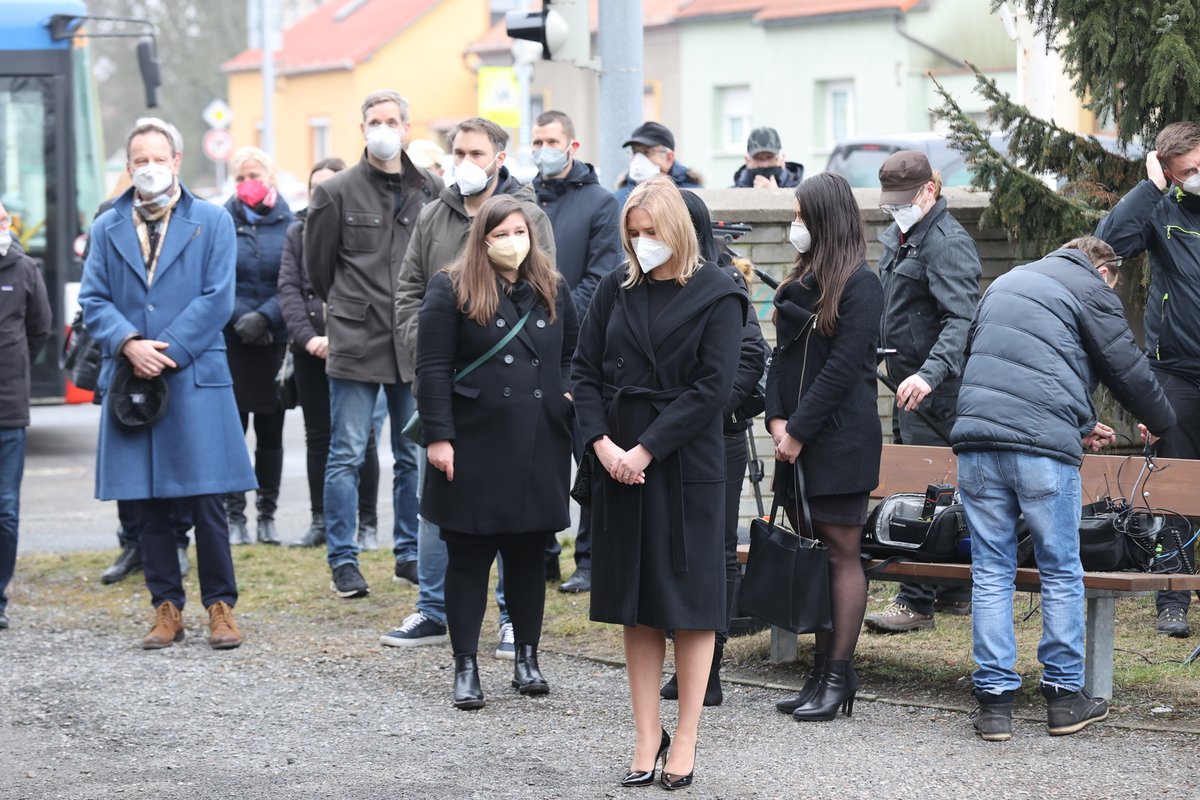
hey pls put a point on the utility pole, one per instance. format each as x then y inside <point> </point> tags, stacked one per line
<point>267,19</point>
<point>620,45</point>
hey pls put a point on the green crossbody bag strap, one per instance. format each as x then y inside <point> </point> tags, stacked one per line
<point>508,337</point>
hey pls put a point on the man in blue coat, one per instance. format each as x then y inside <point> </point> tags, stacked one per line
<point>157,286</point>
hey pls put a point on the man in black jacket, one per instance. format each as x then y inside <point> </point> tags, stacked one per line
<point>766,166</point>
<point>1168,227</point>
<point>930,272</point>
<point>1044,335</point>
<point>583,215</point>
<point>24,328</point>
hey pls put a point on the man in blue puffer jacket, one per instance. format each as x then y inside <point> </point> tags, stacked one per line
<point>1043,336</point>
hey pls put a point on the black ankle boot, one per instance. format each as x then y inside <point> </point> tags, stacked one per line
<point>467,693</point>
<point>268,468</point>
<point>790,704</point>
<point>235,515</point>
<point>527,677</point>
<point>713,696</point>
<point>315,535</point>
<point>836,690</point>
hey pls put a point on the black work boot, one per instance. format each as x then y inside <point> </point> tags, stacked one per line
<point>790,704</point>
<point>128,561</point>
<point>1069,712</point>
<point>268,468</point>
<point>527,676</point>
<point>468,695</point>
<point>235,515</point>
<point>993,718</point>
<point>315,535</point>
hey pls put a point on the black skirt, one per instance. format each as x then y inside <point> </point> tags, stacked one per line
<point>254,368</point>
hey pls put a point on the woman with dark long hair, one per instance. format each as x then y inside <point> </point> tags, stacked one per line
<point>821,412</point>
<point>496,414</point>
<point>655,366</point>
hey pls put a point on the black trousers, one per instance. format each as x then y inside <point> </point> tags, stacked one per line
<point>312,385</point>
<point>128,536</point>
<point>908,428</point>
<point>160,560</point>
<point>583,535</point>
<point>469,562</point>
<point>736,458</point>
<point>1183,442</point>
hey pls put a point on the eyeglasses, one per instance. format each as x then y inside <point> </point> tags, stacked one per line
<point>1114,263</point>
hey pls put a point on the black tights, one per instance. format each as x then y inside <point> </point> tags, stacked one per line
<point>847,588</point>
<point>467,568</point>
<point>268,430</point>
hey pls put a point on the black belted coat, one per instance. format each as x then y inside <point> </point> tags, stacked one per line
<point>658,549</point>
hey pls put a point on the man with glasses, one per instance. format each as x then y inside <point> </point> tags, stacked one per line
<point>1161,216</point>
<point>651,153</point>
<point>930,271</point>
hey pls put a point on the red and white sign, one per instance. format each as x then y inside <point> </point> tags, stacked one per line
<point>217,144</point>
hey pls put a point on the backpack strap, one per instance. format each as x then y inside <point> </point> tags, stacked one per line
<point>496,348</point>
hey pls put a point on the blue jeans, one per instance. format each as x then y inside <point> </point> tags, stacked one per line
<point>431,564</point>
<point>997,486</point>
<point>351,409</point>
<point>12,469</point>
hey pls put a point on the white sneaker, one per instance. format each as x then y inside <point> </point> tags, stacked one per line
<point>507,649</point>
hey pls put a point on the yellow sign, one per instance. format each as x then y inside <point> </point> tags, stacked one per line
<point>500,96</point>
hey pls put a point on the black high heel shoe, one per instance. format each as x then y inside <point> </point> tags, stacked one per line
<point>672,782</point>
<point>790,704</point>
<point>646,778</point>
<point>838,687</point>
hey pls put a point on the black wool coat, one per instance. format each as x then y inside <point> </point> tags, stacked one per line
<point>508,420</point>
<point>658,549</point>
<point>825,386</point>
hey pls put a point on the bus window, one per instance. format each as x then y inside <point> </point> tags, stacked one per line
<point>24,117</point>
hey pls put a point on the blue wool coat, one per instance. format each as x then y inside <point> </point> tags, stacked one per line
<point>198,446</point>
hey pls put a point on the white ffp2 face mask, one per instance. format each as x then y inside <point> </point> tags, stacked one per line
<point>470,178</point>
<point>800,238</point>
<point>907,217</point>
<point>152,180</point>
<point>1192,184</point>
<point>383,142</point>
<point>651,253</point>
<point>642,168</point>
<point>5,242</point>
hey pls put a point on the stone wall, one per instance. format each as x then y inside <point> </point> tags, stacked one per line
<point>767,246</point>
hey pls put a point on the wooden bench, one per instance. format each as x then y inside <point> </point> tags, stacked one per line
<point>911,469</point>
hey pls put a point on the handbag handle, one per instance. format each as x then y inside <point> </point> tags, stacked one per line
<point>801,499</point>
<point>496,348</point>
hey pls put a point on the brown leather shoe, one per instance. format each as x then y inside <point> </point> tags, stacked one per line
<point>168,627</point>
<point>222,630</point>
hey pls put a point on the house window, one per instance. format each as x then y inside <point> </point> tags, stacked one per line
<point>322,138</point>
<point>733,117</point>
<point>839,111</point>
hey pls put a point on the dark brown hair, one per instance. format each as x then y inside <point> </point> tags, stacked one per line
<point>473,276</point>
<point>551,117</point>
<point>331,164</point>
<point>839,247</point>
<point>491,130</point>
<point>1098,251</point>
<point>1177,139</point>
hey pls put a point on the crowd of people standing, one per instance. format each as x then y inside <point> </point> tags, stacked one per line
<point>507,330</point>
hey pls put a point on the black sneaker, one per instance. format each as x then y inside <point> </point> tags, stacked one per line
<point>417,629</point>
<point>1070,712</point>
<point>3,621</point>
<point>406,571</point>
<point>1174,623</point>
<point>993,718</point>
<point>348,582</point>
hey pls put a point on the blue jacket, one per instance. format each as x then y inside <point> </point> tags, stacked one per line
<point>1043,336</point>
<point>684,178</point>
<point>198,446</point>
<point>259,251</point>
<point>587,229</point>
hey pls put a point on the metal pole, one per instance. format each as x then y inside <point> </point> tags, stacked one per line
<point>620,41</point>
<point>266,17</point>
<point>524,70</point>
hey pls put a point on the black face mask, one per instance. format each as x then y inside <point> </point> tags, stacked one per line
<point>767,172</point>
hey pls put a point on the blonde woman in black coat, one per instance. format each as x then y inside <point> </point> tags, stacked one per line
<point>657,355</point>
<point>499,439</point>
<point>821,412</point>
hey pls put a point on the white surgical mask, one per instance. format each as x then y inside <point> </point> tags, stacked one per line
<point>800,238</point>
<point>651,253</point>
<point>642,168</point>
<point>508,253</point>
<point>152,180</point>
<point>907,217</point>
<point>549,161</point>
<point>1192,184</point>
<point>471,178</point>
<point>5,242</point>
<point>383,142</point>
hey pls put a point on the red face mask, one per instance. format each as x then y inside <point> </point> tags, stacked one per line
<point>254,193</point>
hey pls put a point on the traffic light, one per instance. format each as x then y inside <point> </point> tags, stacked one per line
<point>561,28</point>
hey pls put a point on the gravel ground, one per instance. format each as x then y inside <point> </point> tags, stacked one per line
<point>84,713</point>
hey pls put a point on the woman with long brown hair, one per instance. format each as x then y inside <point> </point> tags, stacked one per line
<point>496,332</point>
<point>821,412</point>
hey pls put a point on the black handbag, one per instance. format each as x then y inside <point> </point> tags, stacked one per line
<point>80,358</point>
<point>1104,544</point>
<point>285,382</point>
<point>787,575</point>
<point>581,490</point>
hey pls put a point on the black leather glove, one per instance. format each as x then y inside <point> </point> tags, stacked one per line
<point>251,326</point>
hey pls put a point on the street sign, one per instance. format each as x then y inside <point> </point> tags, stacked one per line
<point>499,96</point>
<point>218,114</point>
<point>217,144</point>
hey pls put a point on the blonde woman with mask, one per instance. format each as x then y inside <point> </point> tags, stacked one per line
<point>495,336</point>
<point>658,352</point>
